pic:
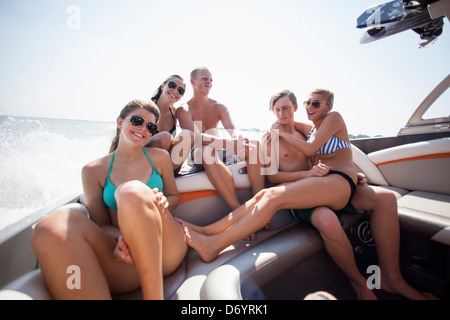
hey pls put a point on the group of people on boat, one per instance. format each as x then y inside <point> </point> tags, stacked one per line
<point>126,238</point>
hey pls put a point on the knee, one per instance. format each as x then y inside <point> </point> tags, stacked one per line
<point>165,140</point>
<point>272,197</point>
<point>326,221</point>
<point>387,197</point>
<point>133,192</point>
<point>54,229</point>
<point>133,195</point>
<point>162,140</point>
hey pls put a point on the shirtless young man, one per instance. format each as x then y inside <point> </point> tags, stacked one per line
<point>207,112</point>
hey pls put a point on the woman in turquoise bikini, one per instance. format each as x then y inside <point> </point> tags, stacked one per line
<point>130,240</point>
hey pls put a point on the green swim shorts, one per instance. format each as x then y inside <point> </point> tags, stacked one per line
<point>306,214</point>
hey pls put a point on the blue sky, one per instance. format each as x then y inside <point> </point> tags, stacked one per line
<point>123,50</point>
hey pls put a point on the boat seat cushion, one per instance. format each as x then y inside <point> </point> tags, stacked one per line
<point>426,213</point>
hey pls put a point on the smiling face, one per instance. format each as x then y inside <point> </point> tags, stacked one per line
<point>318,107</point>
<point>172,93</point>
<point>202,82</point>
<point>136,135</point>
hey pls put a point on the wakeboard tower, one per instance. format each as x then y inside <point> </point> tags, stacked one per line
<point>397,16</point>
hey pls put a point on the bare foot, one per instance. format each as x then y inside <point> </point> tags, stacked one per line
<point>204,245</point>
<point>191,226</point>
<point>402,288</point>
<point>364,293</point>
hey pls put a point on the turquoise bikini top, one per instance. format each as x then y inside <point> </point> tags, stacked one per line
<point>155,181</point>
<point>331,145</point>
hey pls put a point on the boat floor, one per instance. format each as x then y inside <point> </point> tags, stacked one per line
<point>318,273</point>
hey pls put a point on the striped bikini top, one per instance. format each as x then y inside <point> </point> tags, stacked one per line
<point>331,145</point>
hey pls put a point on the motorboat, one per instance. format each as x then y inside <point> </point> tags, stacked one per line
<point>289,261</point>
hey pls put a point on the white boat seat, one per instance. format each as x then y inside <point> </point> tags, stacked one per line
<point>426,213</point>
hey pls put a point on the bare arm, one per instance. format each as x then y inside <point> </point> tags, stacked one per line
<point>163,164</point>
<point>227,122</point>
<point>184,118</point>
<point>330,126</point>
<point>93,192</point>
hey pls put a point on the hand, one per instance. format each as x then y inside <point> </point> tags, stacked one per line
<point>242,147</point>
<point>161,199</point>
<point>319,170</point>
<point>277,125</point>
<point>122,252</point>
<point>275,131</point>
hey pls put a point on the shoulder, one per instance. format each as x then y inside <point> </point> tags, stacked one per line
<point>99,163</point>
<point>182,108</point>
<point>303,128</point>
<point>182,111</point>
<point>215,104</point>
<point>160,159</point>
<point>334,115</point>
<point>97,167</point>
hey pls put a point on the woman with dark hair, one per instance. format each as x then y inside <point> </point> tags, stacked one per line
<point>125,237</point>
<point>167,94</point>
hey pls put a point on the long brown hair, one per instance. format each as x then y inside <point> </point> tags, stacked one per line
<point>129,108</point>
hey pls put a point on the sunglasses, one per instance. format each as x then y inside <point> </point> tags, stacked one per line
<point>314,104</point>
<point>173,85</point>
<point>136,121</point>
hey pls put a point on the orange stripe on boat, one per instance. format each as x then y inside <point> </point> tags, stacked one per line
<point>430,156</point>
<point>194,195</point>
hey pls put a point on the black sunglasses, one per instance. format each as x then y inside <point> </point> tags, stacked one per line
<point>173,85</point>
<point>136,121</point>
<point>315,104</point>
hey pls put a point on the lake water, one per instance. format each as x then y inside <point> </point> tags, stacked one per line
<point>41,161</point>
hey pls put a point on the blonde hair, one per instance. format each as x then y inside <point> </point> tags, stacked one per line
<point>329,95</point>
<point>197,70</point>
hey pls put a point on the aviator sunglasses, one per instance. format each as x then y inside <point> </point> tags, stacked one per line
<point>173,85</point>
<point>314,104</point>
<point>136,121</point>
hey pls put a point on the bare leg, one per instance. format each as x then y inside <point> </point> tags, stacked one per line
<point>330,191</point>
<point>340,250</point>
<point>156,241</point>
<point>162,140</point>
<point>220,177</point>
<point>386,233</point>
<point>254,168</point>
<point>227,221</point>
<point>67,237</point>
